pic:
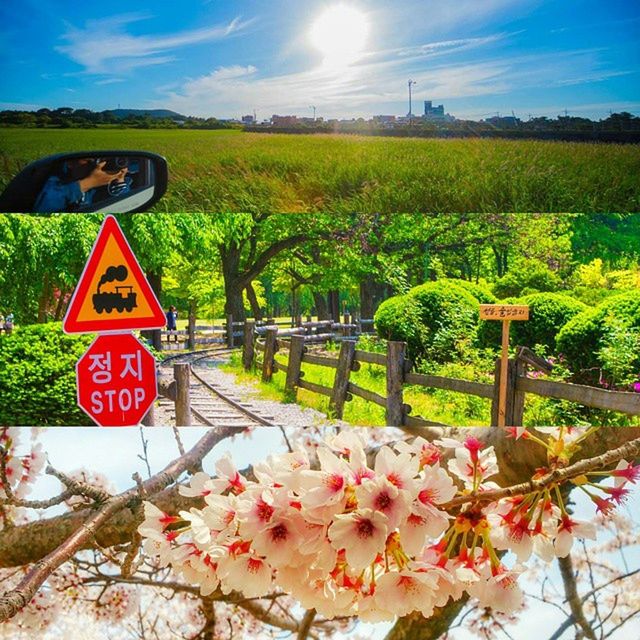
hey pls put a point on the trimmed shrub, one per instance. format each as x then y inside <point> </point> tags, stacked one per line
<point>37,376</point>
<point>435,319</point>
<point>530,277</point>
<point>480,292</point>
<point>581,339</point>
<point>397,318</point>
<point>548,313</point>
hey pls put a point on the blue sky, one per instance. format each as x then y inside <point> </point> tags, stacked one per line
<point>227,58</point>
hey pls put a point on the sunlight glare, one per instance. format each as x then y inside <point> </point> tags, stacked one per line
<point>340,34</point>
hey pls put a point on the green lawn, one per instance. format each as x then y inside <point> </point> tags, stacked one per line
<point>435,405</point>
<point>230,171</point>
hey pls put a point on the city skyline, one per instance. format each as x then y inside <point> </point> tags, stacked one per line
<point>346,59</point>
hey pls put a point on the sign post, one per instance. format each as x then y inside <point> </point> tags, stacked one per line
<point>506,313</point>
<point>113,293</point>
<point>116,377</point>
<point>116,380</point>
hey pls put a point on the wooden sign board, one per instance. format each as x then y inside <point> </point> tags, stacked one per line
<point>504,312</point>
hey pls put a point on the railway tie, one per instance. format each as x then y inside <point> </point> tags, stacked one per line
<point>213,404</point>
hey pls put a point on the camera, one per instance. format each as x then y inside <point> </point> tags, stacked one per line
<point>113,164</point>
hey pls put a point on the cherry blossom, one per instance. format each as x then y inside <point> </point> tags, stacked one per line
<point>349,532</point>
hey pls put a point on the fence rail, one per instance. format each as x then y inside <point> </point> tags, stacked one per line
<point>317,330</point>
<point>399,374</point>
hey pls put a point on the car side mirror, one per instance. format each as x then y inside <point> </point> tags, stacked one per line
<point>88,182</point>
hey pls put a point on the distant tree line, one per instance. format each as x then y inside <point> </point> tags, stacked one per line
<point>66,117</point>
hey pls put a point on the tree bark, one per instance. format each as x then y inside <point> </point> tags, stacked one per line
<point>416,627</point>
<point>233,286</point>
<point>333,302</point>
<point>191,328</point>
<point>43,301</point>
<point>60,306</point>
<point>371,294</point>
<point>237,276</point>
<point>155,281</point>
<point>320,303</point>
<point>253,301</point>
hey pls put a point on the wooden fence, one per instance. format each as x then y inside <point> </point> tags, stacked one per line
<point>231,333</point>
<point>269,340</point>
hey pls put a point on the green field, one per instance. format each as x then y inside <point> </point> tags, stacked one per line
<point>230,171</point>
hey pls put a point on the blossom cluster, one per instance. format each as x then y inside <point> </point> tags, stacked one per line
<point>377,538</point>
<point>21,470</point>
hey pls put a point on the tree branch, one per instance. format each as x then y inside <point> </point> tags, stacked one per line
<point>270,252</point>
<point>629,450</point>
<point>571,591</point>
<point>12,601</point>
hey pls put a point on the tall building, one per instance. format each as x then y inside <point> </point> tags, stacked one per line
<point>433,113</point>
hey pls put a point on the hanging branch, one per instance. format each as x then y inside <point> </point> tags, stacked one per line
<point>630,450</point>
<point>12,601</point>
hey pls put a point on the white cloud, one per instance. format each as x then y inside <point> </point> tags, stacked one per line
<point>103,47</point>
<point>377,84</point>
<point>334,92</point>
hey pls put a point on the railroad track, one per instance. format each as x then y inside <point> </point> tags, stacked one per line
<point>213,404</point>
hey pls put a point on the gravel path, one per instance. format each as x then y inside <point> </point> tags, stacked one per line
<point>292,414</point>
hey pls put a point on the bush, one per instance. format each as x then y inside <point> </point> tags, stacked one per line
<point>37,376</point>
<point>548,313</point>
<point>529,277</point>
<point>436,319</point>
<point>583,337</point>
<point>480,292</point>
<point>397,318</point>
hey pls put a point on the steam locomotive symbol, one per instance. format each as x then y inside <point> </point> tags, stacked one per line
<point>108,301</point>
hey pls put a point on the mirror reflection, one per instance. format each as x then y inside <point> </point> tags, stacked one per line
<point>115,184</point>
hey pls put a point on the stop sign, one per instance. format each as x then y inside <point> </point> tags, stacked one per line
<point>116,380</point>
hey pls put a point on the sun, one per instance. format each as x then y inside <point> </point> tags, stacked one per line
<point>340,34</point>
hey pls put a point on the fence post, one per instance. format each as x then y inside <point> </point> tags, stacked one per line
<point>341,380</point>
<point>356,320</point>
<point>514,407</point>
<point>247,344</point>
<point>230,341</point>
<point>183,400</point>
<point>395,380</point>
<point>520,371</point>
<point>270,348</point>
<point>296,351</point>
<point>346,330</point>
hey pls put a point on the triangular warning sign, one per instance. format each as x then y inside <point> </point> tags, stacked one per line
<point>113,294</point>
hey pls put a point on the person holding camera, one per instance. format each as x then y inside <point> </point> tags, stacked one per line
<point>78,184</point>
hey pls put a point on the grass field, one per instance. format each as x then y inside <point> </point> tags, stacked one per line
<point>232,171</point>
<point>437,405</point>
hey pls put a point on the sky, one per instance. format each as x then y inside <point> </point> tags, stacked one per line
<point>68,448</point>
<point>348,58</point>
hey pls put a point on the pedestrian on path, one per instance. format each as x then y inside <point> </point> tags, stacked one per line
<point>172,316</point>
